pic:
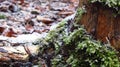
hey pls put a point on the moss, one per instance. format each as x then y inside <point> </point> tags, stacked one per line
<point>2,16</point>
<point>111,3</point>
<point>76,48</point>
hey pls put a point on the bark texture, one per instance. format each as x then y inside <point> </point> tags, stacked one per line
<point>99,20</point>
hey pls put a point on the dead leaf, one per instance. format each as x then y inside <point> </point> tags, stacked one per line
<point>44,20</point>
<point>65,13</point>
<point>14,27</point>
<point>21,1</point>
<point>9,33</point>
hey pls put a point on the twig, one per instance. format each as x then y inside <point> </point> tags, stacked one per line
<point>27,50</point>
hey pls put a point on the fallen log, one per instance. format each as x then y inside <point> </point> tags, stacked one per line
<point>17,53</point>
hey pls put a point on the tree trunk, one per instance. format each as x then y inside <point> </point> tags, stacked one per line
<point>99,20</point>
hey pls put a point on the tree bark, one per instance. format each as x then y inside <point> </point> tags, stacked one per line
<point>99,20</point>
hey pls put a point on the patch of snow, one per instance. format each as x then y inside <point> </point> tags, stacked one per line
<point>3,38</point>
<point>26,38</point>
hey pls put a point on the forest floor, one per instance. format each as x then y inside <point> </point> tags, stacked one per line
<point>23,24</point>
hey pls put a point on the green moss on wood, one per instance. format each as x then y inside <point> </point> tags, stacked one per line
<point>73,47</point>
<point>111,3</point>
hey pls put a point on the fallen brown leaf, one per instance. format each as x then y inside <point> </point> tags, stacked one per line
<point>65,13</point>
<point>44,20</point>
<point>9,33</point>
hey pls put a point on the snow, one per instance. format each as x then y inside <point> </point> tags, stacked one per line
<point>24,38</point>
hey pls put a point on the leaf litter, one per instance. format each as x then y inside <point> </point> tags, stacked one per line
<point>23,24</point>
